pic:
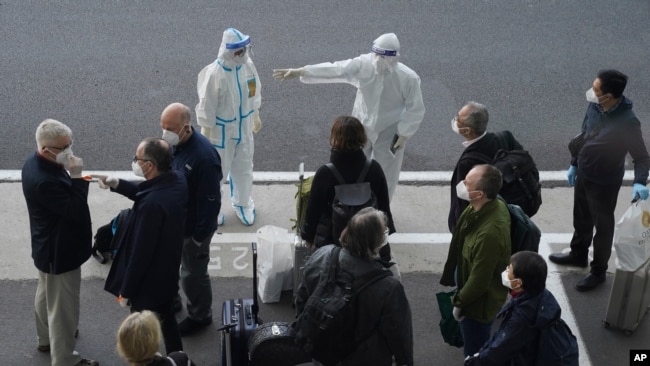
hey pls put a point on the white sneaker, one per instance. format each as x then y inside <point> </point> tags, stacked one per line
<point>245,215</point>
<point>221,219</point>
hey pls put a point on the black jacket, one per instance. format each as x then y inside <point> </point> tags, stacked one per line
<point>199,161</point>
<point>615,133</point>
<point>59,218</point>
<point>145,268</point>
<point>349,164</point>
<point>488,145</point>
<point>384,326</point>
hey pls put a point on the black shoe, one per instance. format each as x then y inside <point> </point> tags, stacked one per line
<point>87,362</point>
<point>44,348</point>
<point>568,259</point>
<point>190,326</point>
<point>590,281</point>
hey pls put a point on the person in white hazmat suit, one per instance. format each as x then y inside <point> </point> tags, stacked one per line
<point>228,113</point>
<point>388,102</point>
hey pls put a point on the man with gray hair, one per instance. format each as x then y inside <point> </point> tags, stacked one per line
<point>56,195</point>
<point>471,123</point>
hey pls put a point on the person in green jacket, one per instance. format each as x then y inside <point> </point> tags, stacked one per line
<point>478,253</point>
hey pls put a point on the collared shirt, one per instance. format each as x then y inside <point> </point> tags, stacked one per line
<point>467,143</point>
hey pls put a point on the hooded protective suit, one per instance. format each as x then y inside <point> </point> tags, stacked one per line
<point>229,100</point>
<point>388,101</point>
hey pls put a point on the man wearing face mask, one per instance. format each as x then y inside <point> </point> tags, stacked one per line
<point>471,123</point>
<point>478,252</point>
<point>388,102</point>
<point>228,113</point>
<point>144,271</point>
<point>609,131</point>
<point>61,238</point>
<point>195,157</point>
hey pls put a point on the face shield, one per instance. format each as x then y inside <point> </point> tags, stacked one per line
<point>235,47</point>
<point>239,50</point>
<point>384,60</point>
<point>386,52</point>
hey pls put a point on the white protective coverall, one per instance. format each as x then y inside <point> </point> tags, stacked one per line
<point>387,103</point>
<point>228,109</point>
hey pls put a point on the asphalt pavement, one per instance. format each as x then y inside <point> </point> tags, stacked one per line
<point>420,246</point>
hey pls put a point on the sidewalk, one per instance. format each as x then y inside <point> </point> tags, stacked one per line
<point>420,245</point>
<point>420,214</point>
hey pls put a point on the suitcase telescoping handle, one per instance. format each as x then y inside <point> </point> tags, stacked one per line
<point>256,307</point>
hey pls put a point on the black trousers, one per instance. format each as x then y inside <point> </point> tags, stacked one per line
<point>168,324</point>
<point>593,207</point>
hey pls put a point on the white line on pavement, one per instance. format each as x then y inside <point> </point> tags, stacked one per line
<point>423,176</point>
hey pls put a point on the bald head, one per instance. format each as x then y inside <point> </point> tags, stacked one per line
<point>176,118</point>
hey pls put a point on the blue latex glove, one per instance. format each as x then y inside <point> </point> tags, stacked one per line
<point>571,175</point>
<point>640,191</point>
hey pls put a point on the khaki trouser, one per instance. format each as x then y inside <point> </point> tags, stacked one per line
<point>56,307</point>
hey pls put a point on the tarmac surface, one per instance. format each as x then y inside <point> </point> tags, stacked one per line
<point>420,245</point>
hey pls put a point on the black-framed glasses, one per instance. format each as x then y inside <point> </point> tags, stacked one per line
<point>135,158</point>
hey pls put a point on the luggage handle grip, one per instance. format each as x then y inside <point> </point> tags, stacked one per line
<point>256,307</point>
<point>227,327</point>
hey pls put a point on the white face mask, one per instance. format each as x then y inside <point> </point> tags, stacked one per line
<point>242,58</point>
<point>382,66</point>
<point>462,192</point>
<point>591,96</point>
<point>62,157</point>
<point>137,169</point>
<point>172,138</point>
<point>506,281</point>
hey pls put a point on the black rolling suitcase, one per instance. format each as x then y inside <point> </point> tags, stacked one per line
<point>274,344</point>
<point>239,317</point>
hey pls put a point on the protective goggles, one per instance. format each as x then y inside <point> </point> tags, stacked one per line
<point>383,51</point>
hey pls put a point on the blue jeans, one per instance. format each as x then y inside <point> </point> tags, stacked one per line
<point>475,334</point>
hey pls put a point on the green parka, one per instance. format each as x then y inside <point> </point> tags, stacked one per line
<point>480,251</point>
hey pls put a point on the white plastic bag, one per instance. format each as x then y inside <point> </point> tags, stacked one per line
<point>275,262</point>
<point>632,237</point>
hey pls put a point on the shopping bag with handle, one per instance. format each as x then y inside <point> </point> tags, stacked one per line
<point>632,237</point>
<point>449,327</point>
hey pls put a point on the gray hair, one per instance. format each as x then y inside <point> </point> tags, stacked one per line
<point>365,233</point>
<point>49,131</point>
<point>478,117</point>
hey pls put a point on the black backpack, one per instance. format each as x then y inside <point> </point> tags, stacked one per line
<point>107,238</point>
<point>524,234</point>
<point>521,185</point>
<point>326,327</point>
<point>349,199</point>
<point>557,345</point>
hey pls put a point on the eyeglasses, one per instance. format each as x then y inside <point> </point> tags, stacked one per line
<point>458,122</point>
<point>240,52</point>
<point>59,148</point>
<point>135,158</point>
